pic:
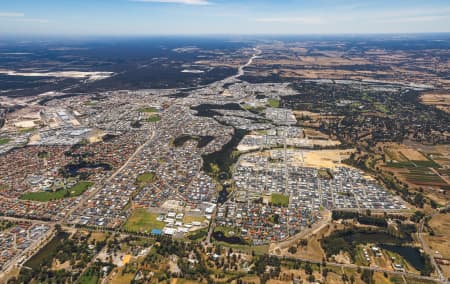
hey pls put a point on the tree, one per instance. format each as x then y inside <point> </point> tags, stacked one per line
<point>292,250</point>
<point>367,276</point>
<point>308,269</point>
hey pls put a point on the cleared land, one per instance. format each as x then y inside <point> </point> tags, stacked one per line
<point>143,221</point>
<point>323,158</point>
<point>45,196</point>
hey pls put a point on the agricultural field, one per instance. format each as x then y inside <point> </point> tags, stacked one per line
<point>45,196</point>
<point>415,167</point>
<point>143,221</point>
<point>438,100</point>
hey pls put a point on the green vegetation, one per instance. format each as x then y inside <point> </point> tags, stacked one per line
<point>221,161</point>
<point>5,224</point>
<point>90,103</point>
<point>45,196</point>
<point>280,200</point>
<point>43,154</point>
<point>255,110</point>
<point>27,130</point>
<point>89,277</point>
<point>4,141</point>
<point>325,174</point>
<point>46,254</point>
<point>145,179</point>
<point>153,118</point>
<point>202,141</point>
<point>273,103</point>
<point>197,235</point>
<point>363,219</point>
<point>143,221</point>
<point>148,109</point>
<point>347,240</point>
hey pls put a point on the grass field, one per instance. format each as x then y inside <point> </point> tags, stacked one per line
<point>89,277</point>
<point>145,178</point>
<point>280,200</point>
<point>45,196</point>
<point>26,130</point>
<point>143,221</point>
<point>153,118</point>
<point>190,219</point>
<point>148,109</point>
<point>273,103</point>
<point>258,250</point>
<point>4,141</point>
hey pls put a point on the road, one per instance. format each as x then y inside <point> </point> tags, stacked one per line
<point>315,228</point>
<point>241,70</point>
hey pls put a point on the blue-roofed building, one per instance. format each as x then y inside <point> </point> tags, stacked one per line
<point>156,232</point>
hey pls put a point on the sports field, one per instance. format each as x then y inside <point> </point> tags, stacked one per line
<point>143,221</point>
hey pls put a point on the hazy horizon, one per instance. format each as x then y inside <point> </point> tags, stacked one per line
<point>220,17</point>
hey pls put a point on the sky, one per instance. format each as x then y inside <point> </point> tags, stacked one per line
<point>214,17</point>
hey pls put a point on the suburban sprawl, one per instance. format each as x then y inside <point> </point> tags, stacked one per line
<point>244,179</point>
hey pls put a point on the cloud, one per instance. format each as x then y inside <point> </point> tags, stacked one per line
<point>186,2</point>
<point>32,20</point>
<point>11,15</point>
<point>303,20</point>
<point>20,17</point>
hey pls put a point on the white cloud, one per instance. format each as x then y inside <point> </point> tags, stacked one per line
<point>411,19</point>
<point>303,20</point>
<point>32,20</point>
<point>11,15</point>
<point>186,2</point>
<point>20,17</point>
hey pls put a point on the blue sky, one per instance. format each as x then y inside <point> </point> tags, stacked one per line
<point>156,17</point>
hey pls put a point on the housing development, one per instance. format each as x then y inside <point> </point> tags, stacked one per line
<point>238,180</point>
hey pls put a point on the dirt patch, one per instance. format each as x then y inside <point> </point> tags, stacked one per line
<point>439,100</point>
<point>323,158</point>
